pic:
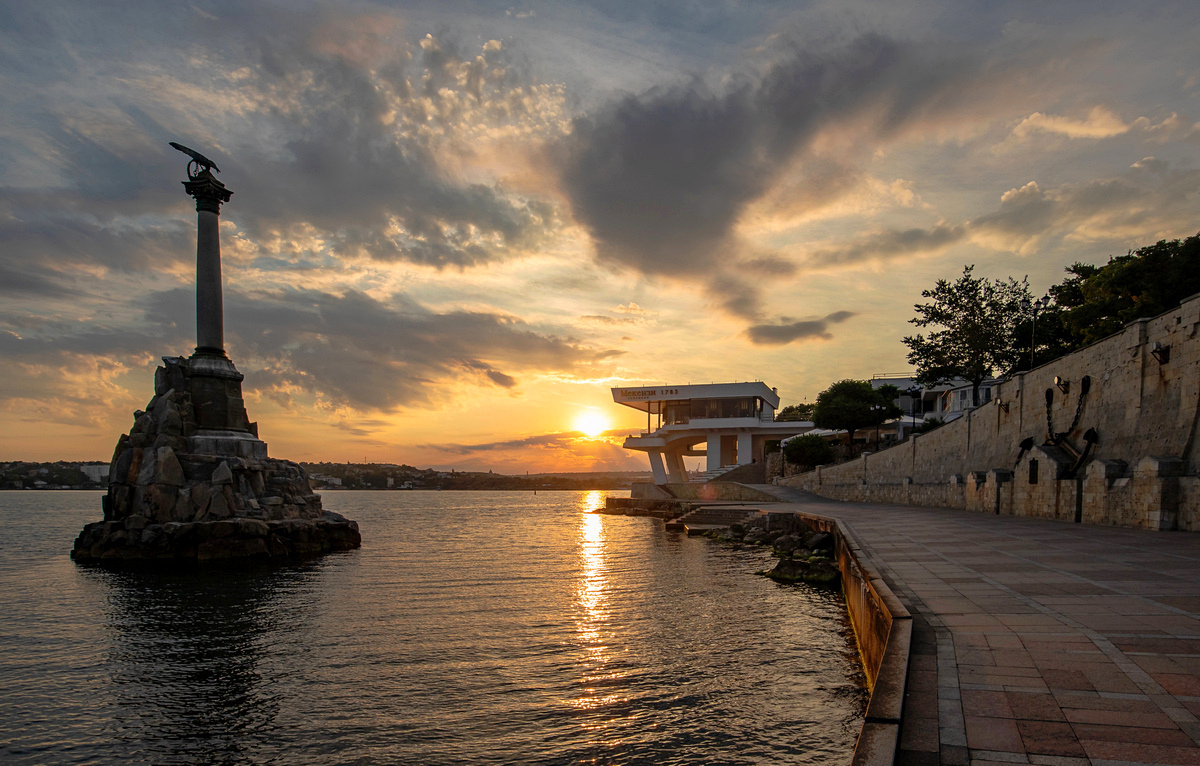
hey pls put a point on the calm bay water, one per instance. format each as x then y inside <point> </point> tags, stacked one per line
<point>472,627</point>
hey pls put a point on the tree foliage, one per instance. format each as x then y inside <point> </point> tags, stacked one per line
<point>850,405</point>
<point>977,320</point>
<point>1099,301</point>
<point>796,412</point>
<point>808,450</point>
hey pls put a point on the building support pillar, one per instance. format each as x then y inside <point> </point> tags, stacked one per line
<point>656,467</point>
<point>745,448</point>
<point>676,468</point>
<point>714,452</point>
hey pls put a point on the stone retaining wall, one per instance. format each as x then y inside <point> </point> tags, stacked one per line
<point>1142,403</point>
<point>883,629</point>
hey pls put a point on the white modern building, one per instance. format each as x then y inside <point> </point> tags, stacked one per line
<point>734,422</point>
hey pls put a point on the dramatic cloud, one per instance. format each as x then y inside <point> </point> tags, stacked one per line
<point>787,332</point>
<point>1149,198</point>
<point>660,180</point>
<point>354,350</point>
<point>380,147</point>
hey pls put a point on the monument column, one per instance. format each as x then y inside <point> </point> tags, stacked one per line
<point>209,194</point>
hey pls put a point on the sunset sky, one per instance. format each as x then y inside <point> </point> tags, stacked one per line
<point>455,225</point>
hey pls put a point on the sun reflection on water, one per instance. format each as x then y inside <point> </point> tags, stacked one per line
<point>592,612</point>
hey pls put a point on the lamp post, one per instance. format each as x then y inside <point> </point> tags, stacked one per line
<point>1038,305</point>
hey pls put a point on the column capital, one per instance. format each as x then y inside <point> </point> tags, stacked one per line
<point>208,192</point>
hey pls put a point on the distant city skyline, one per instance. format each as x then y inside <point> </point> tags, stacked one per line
<point>456,225</point>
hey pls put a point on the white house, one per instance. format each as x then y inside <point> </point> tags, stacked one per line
<point>734,422</point>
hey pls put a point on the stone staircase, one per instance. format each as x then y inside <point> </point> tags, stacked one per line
<point>708,517</point>
<point>715,473</point>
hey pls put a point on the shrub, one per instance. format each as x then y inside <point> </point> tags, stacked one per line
<point>929,425</point>
<point>808,450</point>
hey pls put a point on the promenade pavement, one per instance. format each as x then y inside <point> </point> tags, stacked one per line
<point>1038,641</point>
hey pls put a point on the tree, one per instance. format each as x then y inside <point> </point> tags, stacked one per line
<point>1094,302</point>
<point>851,405</point>
<point>979,319</point>
<point>1143,283</point>
<point>808,450</point>
<point>796,412</point>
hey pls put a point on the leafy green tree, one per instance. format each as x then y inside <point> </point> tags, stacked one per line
<point>978,320</point>
<point>1143,283</point>
<point>1094,302</point>
<point>795,412</point>
<point>851,405</point>
<point>808,450</point>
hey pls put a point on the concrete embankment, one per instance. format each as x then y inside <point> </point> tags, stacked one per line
<point>882,625</point>
<point>883,629</point>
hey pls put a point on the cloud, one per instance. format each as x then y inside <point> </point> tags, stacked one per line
<point>788,332</point>
<point>1100,123</point>
<point>885,244</point>
<point>1149,197</point>
<point>351,349</point>
<point>660,180</point>
<point>631,308</point>
<point>319,120</point>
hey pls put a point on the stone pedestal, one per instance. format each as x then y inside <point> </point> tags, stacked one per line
<point>192,481</point>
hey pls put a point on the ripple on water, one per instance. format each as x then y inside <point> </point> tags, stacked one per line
<point>483,628</point>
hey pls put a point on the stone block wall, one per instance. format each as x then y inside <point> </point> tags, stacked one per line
<point>1142,401</point>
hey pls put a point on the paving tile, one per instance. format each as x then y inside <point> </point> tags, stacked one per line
<point>1144,736</point>
<point>1040,707</point>
<point>920,734</point>
<point>955,755</point>
<point>1138,753</point>
<point>1004,641</point>
<point>985,703</point>
<point>1049,738</point>
<point>1085,701</point>
<point>1156,720</point>
<point>1109,678</point>
<point>986,733</point>
<point>1057,760</point>
<point>1066,679</point>
<point>1178,684</point>
<point>915,758</point>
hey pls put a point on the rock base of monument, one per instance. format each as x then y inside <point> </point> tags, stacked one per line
<point>188,484</point>
<point>199,541</point>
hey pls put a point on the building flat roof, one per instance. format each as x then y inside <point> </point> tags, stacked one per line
<point>652,398</point>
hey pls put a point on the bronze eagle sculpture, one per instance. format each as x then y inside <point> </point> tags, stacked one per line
<point>196,156</point>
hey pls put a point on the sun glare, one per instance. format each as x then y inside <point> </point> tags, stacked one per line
<point>591,423</point>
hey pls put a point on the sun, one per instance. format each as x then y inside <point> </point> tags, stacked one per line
<point>591,423</point>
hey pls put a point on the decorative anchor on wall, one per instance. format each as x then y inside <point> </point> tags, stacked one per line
<point>1059,439</point>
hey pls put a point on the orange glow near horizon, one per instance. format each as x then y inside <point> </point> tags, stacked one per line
<point>591,423</point>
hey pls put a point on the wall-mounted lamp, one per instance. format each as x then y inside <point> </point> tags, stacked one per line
<point>1063,384</point>
<point>1002,405</point>
<point>1160,352</point>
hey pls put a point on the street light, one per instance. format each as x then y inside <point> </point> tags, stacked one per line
<point>1038,305</point>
